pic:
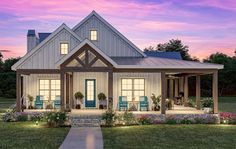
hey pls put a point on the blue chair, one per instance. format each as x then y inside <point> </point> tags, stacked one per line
<point>123,103</point>
<point>143,103</point>
<point>57,102</point>
<point>38,103</point>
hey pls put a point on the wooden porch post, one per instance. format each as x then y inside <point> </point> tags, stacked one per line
<point>110,90</point>
<point>18,92</point>
<point>185,90</point>
<point>67,92</point>
<point>71,91</point>
<point>198,91</point>
<point>163,93</point>
<point>171,88</point>
<point>62,76</point>
<point>176,87</point>
<point>181,84</point>
<point>215,91</point>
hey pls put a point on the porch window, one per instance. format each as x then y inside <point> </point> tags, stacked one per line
<point>49,89</point>
<point>64,47</point>
<point>133,88</point>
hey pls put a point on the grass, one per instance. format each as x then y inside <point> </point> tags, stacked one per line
<point>170,136</point>
<point>227,104</point>
<point>29,136</point>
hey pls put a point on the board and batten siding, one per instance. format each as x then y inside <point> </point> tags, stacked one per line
<point>101,83</point>
<point>108,41</point>
<point>31,83</point>
<point>47,55</point>
<point>152,85</point>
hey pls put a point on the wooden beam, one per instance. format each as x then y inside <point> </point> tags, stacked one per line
<point>71,91</point>
<point>198,92</point>
<point>176,88</point>
<point>18,92</point>
<point>67,92</point>
<point>185,90</point>
<point>38,71</point>
<point>171,88</point>
<point>215,91</point>
<point>110,90</point>
<point>62,78</point>
<point>163,93</point>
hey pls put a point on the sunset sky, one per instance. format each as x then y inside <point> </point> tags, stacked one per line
<point>206,26</point>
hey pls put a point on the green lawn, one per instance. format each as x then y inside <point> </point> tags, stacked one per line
<point>170,136</point>
<point>227,104</point>
<point>28,135</point>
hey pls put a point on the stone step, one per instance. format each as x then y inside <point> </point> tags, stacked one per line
<point>86,121</point>
<point>86,125</point>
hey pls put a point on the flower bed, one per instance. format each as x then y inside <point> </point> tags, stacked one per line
<point>227,118</point>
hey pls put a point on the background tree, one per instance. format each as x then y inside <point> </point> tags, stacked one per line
<point>1,62</point>
<point>174,45</point>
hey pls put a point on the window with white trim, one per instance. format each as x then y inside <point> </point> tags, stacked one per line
<point>64,48</point>
<point>93,35</point>
<point>133,88</point>
<point>49,89</point>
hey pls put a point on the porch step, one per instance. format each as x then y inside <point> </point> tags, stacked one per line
<point>85,121</point>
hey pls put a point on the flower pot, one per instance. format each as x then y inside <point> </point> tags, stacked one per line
<point>78,106</point>
<point>207,110</point>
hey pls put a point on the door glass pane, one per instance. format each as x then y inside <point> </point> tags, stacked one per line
<point>90,90</point>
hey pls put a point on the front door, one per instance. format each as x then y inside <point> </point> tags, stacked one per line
<point>90,93</point>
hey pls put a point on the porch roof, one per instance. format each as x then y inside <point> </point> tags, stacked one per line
<point>162,63</point>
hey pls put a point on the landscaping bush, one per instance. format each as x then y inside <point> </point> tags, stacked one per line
<point>129,118</point>
<point>56,119</point>
<point>9,116</point>
<point>227,118</point>
<point>144,120</point>
<point>21,117</point>
<point>109,118</point>
<point>207,102</point>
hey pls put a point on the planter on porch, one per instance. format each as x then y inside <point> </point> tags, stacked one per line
<point>102,101</point>
<point>79,100</point>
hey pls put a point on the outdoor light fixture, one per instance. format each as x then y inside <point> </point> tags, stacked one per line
<point>37,122</point>
<point>225,121</point>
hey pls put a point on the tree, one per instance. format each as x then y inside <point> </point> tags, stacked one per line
<point>227,76</point>
<point>8,63</point>
<point>174,45</point>
<point>1,62</point>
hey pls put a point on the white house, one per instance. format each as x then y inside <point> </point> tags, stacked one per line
<point>94,57</point>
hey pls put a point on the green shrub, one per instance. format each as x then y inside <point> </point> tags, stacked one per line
<point>171,121</point>
<point>101,96</point>
<point>207,103</point>
<point>9,116</point>
<point>56,119</point>
<point>129,118</point>
<point>186,121</point>
<point>144,120</point>
<point>109,118</point>
<point>22,118</point>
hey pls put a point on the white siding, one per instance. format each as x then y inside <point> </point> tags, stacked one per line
<point>108,41</point>
<point>101,82</point>
<point>31,83</point>
<point>152,85</point>
<point>49,53</point>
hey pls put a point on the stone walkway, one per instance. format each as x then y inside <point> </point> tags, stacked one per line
<point>83,138</point>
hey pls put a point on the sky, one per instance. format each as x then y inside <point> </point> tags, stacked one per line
<point>206,26</point>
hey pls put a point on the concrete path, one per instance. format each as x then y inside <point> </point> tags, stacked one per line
<point>83,138</point>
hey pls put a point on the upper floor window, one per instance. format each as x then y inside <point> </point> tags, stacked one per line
<point>93,35</point>
<point>64,47</point>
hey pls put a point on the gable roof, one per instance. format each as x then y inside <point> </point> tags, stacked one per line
<point>27,55</point>
<point>93,13</point>
<point>73,51</point>
<point>170,55</point>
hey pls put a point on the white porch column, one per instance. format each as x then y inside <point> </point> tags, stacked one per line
<point>185,89</point>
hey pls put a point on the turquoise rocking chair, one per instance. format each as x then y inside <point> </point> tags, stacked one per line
<point>38,102</point>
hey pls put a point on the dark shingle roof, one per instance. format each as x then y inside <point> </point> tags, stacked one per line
<point>170,55</point>
<point>43,36</point>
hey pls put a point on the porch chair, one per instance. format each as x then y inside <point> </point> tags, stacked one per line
<point>38,103</point>
<point>143,103</point>
<point>57,102</point>
<point>123,103</point>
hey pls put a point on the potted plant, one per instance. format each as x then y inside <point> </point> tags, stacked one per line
<point>207,104</point>
<point>156,102</point>
<point>102,100</point>
<point>79,99</point>
<point>31,99</point>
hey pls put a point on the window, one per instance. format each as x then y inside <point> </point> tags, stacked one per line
<point>132,88</point>
<point>49,89</point>
<point>93,35</point>
<point>64,48</point>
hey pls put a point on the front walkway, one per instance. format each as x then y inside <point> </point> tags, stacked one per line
<point>83,138</point>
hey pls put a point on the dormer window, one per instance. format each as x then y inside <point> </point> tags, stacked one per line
<point>93,35</point>
<point>64,48</point>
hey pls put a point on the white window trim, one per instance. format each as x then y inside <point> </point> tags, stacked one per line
<point>67,49</point>
<point>91,34</point>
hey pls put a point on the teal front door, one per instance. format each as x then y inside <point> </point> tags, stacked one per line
<point>90,93</point>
